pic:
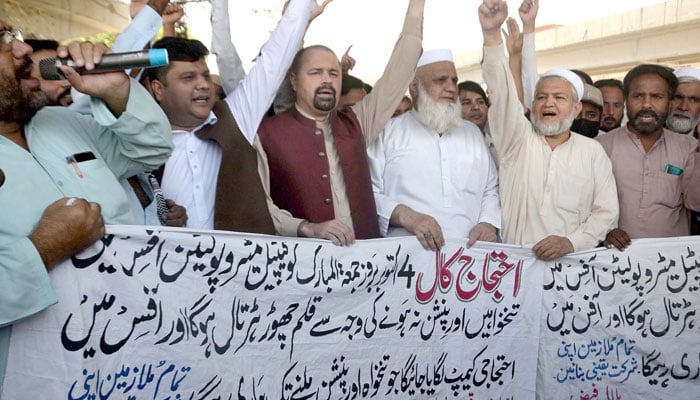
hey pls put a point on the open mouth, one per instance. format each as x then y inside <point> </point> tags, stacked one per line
<point>201,100</point>
<point>326,91</point>
<point>647,117</point>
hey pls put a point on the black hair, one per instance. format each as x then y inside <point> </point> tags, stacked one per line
<point>471,86</point>
<point>663,72</point>
<point>179,49</point>
<point>584,76</point>
<point>350,82</point>
<point>616,83</point>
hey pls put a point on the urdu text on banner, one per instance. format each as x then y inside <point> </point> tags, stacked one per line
<point>623,325</point>
<point>172,314</point>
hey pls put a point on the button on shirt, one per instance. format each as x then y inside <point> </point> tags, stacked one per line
<point>653,202</point>
<point>190,176</point>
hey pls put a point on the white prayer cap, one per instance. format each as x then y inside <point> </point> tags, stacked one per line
<point>688,72</point>
<point>569,76</point>
<point>433,56</point>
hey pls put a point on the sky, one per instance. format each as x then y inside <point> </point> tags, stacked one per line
<point>372,26</point>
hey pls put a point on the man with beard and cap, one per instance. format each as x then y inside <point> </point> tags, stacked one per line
<point>59,170</point>
<point>613,103</point>
<point>587,122</point>
<point>557,189</point>
<point>313,157</point>
<point>655,168</point>
<point>213,169</point>
<point>432,174</point>
<point>684,113</point>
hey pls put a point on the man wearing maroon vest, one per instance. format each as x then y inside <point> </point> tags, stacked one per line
<point>313,157</point>
<point>213,168</point>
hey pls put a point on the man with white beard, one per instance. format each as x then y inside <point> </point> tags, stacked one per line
<point>432,174</point>
<point>684,112</point>
<point>557,189</point>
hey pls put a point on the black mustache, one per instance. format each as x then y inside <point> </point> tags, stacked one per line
<point>325,87</point>
<point>647,113</point>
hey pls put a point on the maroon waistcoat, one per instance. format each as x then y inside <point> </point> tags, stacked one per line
<point>240,205</point>
<point>299,172</point>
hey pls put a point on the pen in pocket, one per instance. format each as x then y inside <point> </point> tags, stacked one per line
<point>71,161</point>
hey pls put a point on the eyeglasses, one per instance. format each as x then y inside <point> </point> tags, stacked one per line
<point>6,38</point>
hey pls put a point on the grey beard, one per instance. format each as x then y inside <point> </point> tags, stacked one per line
<point>554,129</point>
<point>682,125</point>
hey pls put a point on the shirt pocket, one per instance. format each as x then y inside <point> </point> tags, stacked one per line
<point>468,175</point>
<point>665,190</point>
<point>574,196</point>
<point>99,184</point>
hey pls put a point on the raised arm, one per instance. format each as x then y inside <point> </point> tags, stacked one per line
<point>507,122</point>
<point>376,108</point>
<point>227,58</point>
<point>146,23</point>
<point>514,44</point>
<point>528,13</point>
<point>252,97</point>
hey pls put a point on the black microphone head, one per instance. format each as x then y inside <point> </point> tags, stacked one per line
<point>49,69</point>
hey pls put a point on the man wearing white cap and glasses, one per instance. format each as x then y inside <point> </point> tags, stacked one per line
<point>684,114</point>
<point>432,174</point>
<point>557,189</point>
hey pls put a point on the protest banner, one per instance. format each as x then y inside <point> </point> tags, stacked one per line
<point>623,325</point>
<point>172,314</point>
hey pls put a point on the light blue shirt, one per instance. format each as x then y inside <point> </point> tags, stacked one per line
<point>140,139</point>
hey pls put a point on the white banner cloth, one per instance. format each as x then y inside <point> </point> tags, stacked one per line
<point>623,325</point>
<point>182,315</point>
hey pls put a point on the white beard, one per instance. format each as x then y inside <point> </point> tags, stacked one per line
<point>552,129</point>
<point>439,116</point>
<point>682,125</point>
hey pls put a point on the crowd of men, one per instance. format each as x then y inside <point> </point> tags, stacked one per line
<point>297,147</point>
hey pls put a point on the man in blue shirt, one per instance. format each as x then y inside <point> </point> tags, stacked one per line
<point>59,170</point>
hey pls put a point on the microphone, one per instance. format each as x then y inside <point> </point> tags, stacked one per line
<point>49,67</point>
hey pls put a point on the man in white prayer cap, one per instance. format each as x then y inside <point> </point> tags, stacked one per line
<point>432,174</point>
<point>684,113</point>
<point>557,190</point>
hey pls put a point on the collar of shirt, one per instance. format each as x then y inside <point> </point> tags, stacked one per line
<point>638,142</point>
<point>321,124</point>
<point>211,120</point>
